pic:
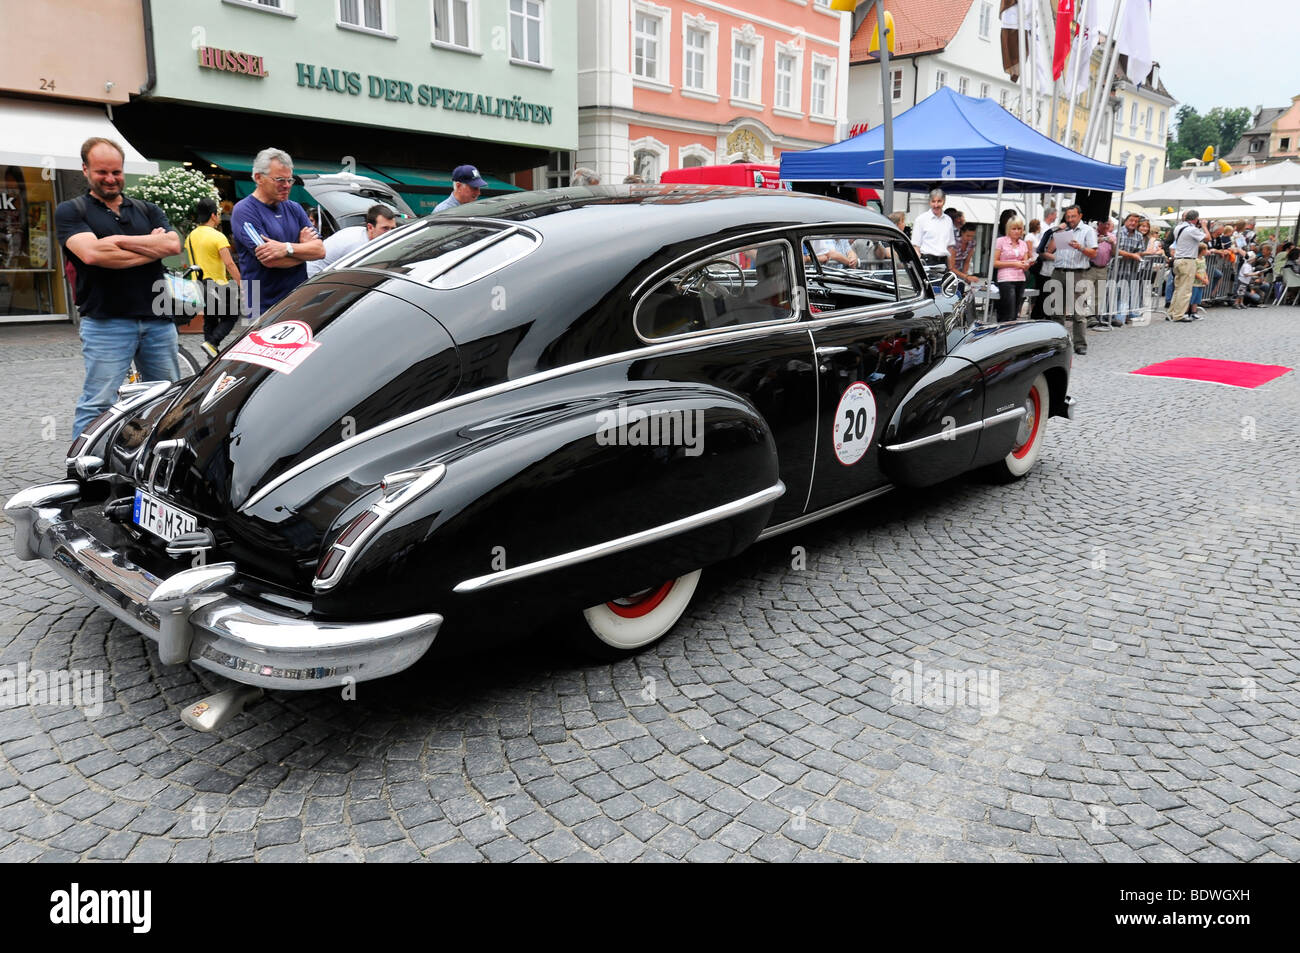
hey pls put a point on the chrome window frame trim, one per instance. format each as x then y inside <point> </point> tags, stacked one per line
<point>622,543</point>
<point>791,318</point>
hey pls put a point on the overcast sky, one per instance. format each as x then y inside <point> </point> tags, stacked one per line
<point>1213,53</point>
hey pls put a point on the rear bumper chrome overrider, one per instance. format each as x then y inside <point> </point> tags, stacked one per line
<point>195,618</point>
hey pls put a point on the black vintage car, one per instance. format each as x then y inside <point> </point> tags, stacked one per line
<point>562,401</point>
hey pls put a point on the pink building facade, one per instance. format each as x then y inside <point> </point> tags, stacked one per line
<point>695,82</point>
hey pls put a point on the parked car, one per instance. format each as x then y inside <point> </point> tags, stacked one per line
<point>344,197</point>
<point>568,401</point>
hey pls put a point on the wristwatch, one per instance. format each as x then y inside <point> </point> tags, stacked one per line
<point>288,248</point>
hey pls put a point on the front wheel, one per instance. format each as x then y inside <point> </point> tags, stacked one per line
<point>1029,436</point>
<point>629,624</point>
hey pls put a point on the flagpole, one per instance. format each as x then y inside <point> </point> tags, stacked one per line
<point>1074,80</point>
<point>1049,126</point>
<point>1024,55</point>
<point>887,98</point>
<point>1102,87</point>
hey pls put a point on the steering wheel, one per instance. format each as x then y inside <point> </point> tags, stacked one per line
<point>703,282</point>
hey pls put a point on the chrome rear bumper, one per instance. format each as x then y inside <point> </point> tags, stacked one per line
<point>194,617</point>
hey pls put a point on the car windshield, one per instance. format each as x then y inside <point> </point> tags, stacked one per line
<point>450,254</point>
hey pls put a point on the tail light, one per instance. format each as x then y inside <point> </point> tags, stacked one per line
<point>399,489</point>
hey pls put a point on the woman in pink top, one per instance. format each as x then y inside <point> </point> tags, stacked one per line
<point>1012,257</point>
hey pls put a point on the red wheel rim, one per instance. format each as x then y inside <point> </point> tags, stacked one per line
<point>643,603</point>
<point>1020,451</point>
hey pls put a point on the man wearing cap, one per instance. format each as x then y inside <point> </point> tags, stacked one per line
<point>466,183</point>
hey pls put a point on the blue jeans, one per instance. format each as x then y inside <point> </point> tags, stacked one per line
<point>109,345</point>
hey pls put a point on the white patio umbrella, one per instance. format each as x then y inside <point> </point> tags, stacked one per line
<point>1273,181</point>
<point>1185,191</point>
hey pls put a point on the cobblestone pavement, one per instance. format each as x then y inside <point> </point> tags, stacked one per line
<point>1129,611</point>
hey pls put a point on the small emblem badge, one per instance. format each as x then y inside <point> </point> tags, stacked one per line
<point>224,383</point>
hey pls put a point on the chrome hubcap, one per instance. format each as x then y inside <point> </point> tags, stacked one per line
<point>1026,423</point>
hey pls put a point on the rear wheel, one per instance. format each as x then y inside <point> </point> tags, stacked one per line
<point>189,364</point>
<point>632,622</point>
<point>1031,430</point>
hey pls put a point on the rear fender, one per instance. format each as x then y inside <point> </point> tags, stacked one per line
<point>934,433</point>
<point>543,488</point>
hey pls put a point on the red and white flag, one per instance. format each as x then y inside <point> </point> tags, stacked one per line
<point>1064,37</point>
<point>1088,29</point>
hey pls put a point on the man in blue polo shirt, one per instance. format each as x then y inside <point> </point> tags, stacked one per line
<point>272,235</point>
<point>116,246</point>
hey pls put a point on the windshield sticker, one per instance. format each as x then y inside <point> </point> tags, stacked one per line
<point>854,424</point>
<point>281,347</point>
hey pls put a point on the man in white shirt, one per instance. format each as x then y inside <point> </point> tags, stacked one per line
<point>1187,240</point>
<point>379,219</point>
<point>1069,295</point>
<point>932,232</point>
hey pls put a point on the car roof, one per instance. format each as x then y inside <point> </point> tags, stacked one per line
<point>649,214</point>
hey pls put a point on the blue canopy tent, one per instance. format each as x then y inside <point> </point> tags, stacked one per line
<point>960,144</point>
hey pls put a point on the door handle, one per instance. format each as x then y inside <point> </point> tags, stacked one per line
<point>828,351</point>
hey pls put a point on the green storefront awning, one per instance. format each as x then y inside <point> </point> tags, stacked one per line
<point>232,162</point>
<point>424,178</point>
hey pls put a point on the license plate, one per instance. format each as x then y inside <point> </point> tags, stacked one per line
<point>164,521</point>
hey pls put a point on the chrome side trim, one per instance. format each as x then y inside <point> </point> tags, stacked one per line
<point>609,547</point>
<point>958,431</point>
<point>822,513</point>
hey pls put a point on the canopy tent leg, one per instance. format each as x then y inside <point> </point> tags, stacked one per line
<point>993,254</point>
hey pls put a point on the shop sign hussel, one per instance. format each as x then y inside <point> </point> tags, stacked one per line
<point>398,91</point>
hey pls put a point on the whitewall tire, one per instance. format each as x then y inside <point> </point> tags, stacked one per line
<point>632,623</point>
<point>1030,433</point>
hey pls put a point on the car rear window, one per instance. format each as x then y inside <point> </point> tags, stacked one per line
<point>450,254</point>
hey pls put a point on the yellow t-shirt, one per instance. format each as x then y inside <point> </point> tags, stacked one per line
<point>204,245</point>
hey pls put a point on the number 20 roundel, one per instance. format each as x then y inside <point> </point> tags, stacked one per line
<point>855,423</point>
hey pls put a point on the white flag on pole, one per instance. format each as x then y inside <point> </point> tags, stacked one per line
<point>1134,40</point>
<point>1087,43</point>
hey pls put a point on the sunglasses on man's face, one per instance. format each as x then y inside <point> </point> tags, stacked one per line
<point>282,180</point>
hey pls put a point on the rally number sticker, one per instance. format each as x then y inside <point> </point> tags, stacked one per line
<point>281,347</point>
<point>855,423</point>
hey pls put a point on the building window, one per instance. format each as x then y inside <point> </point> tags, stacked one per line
<point>1150,124</point>
<point>649,158</point>
<point>1002,99</point>
<point>559,166</point>
<point>699,55</point>
<point>986,20</point>
<point>786,66</point>
<point>1284,144</point>
<point>1256,145</point>
<point>822,93</point>
<point>1074,141</point>
<point>366,14</point>
<point>940,79</point>
<point>1162,125</point>
<point>650,43</point>
<point>963,85</point>
<point>451,23</point>
<point>526,31</point>
<point>694,155</point>
<point>696,55</point>
<point>1133,122</point>
<point>1151,174</point>
<point>984,90</point>
<point>895,86</point>
<point>282,7</point>
<point>742,70</point>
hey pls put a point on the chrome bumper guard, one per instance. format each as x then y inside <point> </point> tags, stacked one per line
<point>1069,408</point>
<point>194,619</point>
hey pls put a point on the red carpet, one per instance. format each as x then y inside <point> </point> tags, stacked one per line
<point>1232,373</point>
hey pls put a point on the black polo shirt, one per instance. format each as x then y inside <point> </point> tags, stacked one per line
<point>112,292</point>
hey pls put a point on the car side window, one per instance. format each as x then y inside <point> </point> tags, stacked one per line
<point>753,284</point>
<point>850,270</point>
